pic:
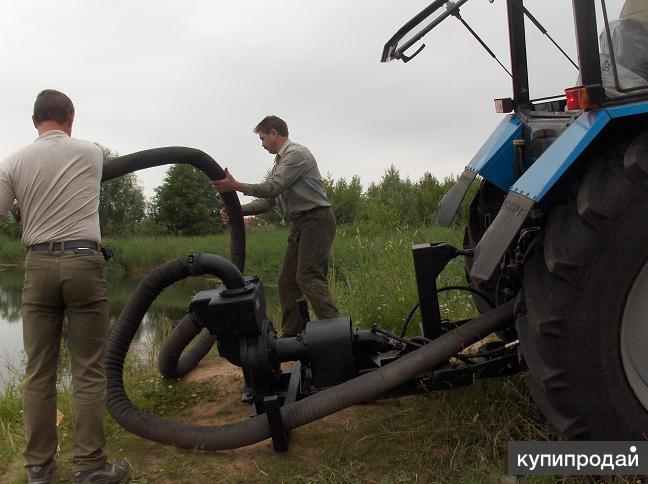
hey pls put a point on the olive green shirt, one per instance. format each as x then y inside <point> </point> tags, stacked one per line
<point>295,185</point>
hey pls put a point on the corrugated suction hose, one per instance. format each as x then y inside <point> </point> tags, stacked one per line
<point>175,360</point>
<point>249,431</point>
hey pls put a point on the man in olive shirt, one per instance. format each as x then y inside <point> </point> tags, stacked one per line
<point>295,186</point>
<point>56,180</point>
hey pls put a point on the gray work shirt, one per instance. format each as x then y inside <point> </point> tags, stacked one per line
<point>295,184</point>
<point>56,179</point>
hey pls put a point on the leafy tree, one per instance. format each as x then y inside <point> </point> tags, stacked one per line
<point>122,205</point>
<point>428,192</point>
<point>346,198</point>
<point>186,203</point>
<point>391,202</point>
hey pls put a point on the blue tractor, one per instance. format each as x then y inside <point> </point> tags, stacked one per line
<point>560,221</point>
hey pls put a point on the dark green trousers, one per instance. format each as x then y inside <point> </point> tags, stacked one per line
<point>58,283</point>
<point>305,269</point>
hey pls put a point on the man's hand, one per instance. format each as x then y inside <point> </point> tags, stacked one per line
<point>227,184</point>
<point>224,216</point>
<point>15,212</point>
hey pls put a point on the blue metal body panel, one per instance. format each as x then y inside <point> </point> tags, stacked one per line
<point>556,160</point>
<point>553,163</point>
<point>538,179</point>
<point>495,159</point>
<point>628,110</point>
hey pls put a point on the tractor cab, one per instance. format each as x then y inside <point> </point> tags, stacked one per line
<point>612,62</point>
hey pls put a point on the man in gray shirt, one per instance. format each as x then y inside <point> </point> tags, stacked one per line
<point>56,180</point>
<point>295,186</point>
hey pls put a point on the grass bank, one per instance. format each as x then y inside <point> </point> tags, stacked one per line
<point>371,274</point>
<point>452,436</point>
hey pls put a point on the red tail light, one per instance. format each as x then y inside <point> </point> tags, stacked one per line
<point>578,98</point>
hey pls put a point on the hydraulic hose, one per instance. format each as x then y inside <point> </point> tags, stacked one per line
<point>173,363</point>
<point>246,432</point>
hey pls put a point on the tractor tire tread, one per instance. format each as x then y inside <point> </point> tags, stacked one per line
<point>570,240</point>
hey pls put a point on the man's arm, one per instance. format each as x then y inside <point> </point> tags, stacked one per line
<point>291,167</point>
<point>258,206</point>
<point>255,207</point>
<point>230,184</point>
<point>7,195</point>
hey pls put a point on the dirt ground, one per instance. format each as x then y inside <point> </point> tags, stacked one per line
<point>454,436</point>
<point>254,463</point>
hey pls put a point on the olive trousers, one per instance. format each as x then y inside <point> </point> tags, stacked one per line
<point>59,283</point>
<point>305,269</point>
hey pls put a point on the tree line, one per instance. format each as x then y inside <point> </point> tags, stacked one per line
<point>185,204</point>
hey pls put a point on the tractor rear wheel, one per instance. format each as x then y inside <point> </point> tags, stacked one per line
<point>584,334</point>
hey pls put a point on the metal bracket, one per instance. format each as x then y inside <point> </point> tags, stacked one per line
<point>294,384</point>
<point>278,431</point>
<point>429,262</point>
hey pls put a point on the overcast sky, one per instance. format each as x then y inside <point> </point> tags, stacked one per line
<point>199,73</point>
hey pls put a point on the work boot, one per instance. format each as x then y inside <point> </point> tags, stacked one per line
<point>41,474</point>
<point>108,474</point>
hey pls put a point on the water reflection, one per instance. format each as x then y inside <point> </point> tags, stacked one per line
<point>170,305</point>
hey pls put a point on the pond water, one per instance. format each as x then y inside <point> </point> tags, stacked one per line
<point>171,304</point>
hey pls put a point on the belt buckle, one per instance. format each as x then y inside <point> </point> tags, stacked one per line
<point>53,246</point>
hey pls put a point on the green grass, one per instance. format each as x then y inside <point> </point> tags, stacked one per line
<point>12,435</point>
<point>451,436</point>
<point>371,276</point>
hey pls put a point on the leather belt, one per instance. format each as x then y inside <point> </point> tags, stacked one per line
<point>311,210</point>
<point>62,246</point>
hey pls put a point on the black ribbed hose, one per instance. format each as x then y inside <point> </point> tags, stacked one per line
<point>141,160</point>
<point>249,431</point>
<point>173,360</point>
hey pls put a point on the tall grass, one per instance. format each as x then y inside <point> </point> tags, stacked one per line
<point>372,276</point>
<point>138,365</point>
<point>12,435</point>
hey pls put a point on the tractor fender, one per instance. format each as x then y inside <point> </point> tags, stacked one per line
<point>493,161</point>
<point>536,182</point>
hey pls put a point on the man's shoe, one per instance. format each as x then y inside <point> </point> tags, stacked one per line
<point>41,474</point>
<point>108,474</point>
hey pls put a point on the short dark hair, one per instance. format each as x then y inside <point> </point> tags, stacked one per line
<point>269,123</point>
<point>52,105</point>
